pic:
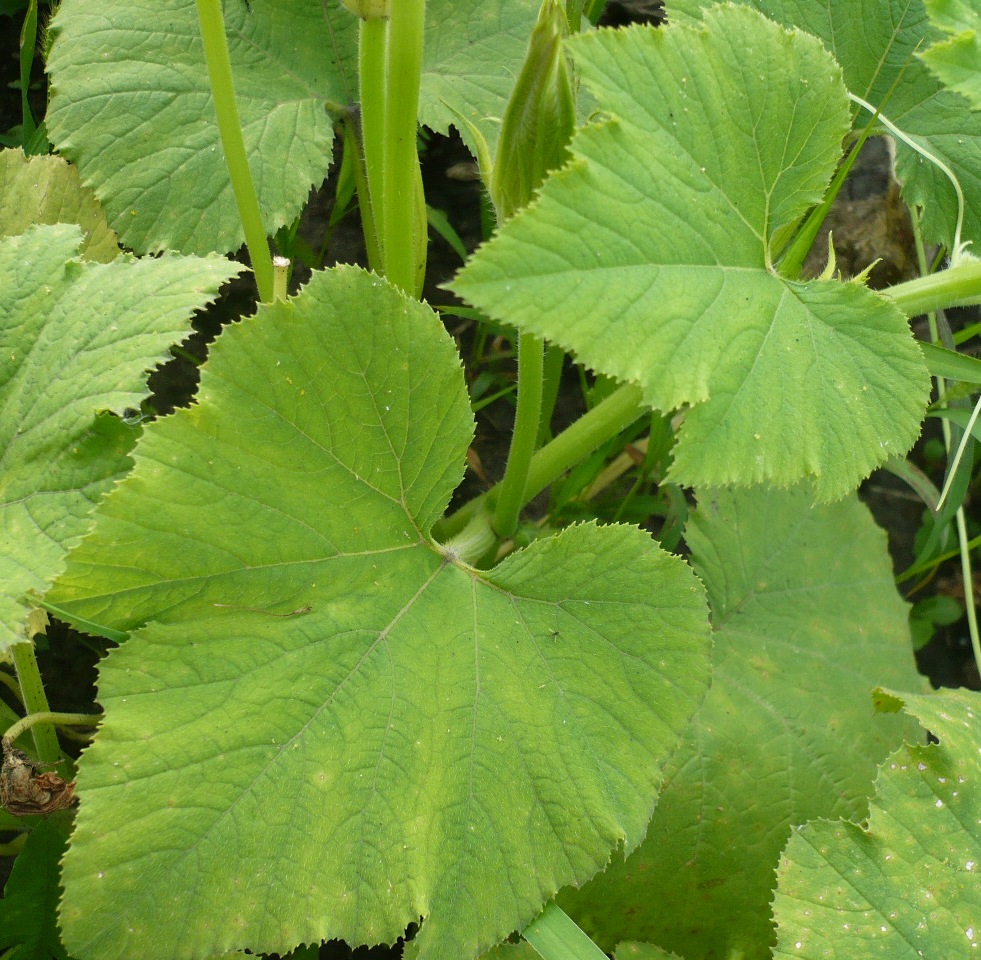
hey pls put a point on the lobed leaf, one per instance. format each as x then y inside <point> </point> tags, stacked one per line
<point>906,885</point>
<point>333,727</point>
<point>649,257</point>
<point>807,621</point>
<point>79,338</point>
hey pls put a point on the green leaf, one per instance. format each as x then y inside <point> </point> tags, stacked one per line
<point>877,42</point>
<point>648,257</point>
<point>36,190</point>
<point>27,911</point>
<point>950,364</point>
<point>503,951</point>
<point>643,951</point>
<point>131,103</point>
<point>906,886</point>
<point>351,729</point>
<point>473,54</point>
<point>957,60</point>
<point>807,621</point>
<point>78,338</point>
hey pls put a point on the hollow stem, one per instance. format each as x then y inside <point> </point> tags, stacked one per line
<point>511,498</point>
<point>372,68</point>
<point>552,380</point>
<point>51,719</point>
<point>281,277</point>
<point>474,540</point>
<point>573,445</point>
<point>959,286</point>
<point>222,89</point>
<point>620,409</point>
<point>35,701</point>
<point>403,212</point>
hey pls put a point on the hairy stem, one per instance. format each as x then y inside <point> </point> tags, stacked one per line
<point>531,355</point>
<point>230,129</point>
<point>51,719</point>
<point>403,211</point>
<point>35,701</point>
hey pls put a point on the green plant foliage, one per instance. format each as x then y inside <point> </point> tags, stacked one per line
<point>877,43</point>
<point>37,190</point>
<point>28,930</point>
<point>787,732</point>
<point>132,107</point>
<point>649,258</point>
<point>350,730</point>
<point>905,886</point>
<point>503,951</point>
<point>79,338</point>
<point>957,60</point>
<point>643,951</point>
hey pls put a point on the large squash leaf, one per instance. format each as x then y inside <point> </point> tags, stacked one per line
<point>906,885</point>
<point>131,103</point>
<point>807,621</point>
<point>649,256</point>
<point>334,727</point>
<point>79,338</point>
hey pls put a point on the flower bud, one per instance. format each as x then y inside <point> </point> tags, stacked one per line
<point>539,119</point>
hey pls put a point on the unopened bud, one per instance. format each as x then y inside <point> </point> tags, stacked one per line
<point>539,119</point>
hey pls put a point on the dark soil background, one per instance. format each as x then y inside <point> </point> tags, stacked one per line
<point>869,222</point>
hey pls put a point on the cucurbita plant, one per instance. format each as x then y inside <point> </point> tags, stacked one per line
<point>335,707</point>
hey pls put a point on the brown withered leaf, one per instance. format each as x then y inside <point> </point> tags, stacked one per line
<point>26,790</point>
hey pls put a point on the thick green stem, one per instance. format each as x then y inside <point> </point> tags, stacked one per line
<point>474,540</point>
<point>372,67</point>
<point>959,286</point>
<point>552,380</point>
<point>589,432</point>
<point>531,356</point>
<point>570,447</point>
<point>354,153</point>
<point>236,159</point>
<point>556,936</point>
<point>281,277</point>
<point>35,701</point>
<point>403,212</point>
